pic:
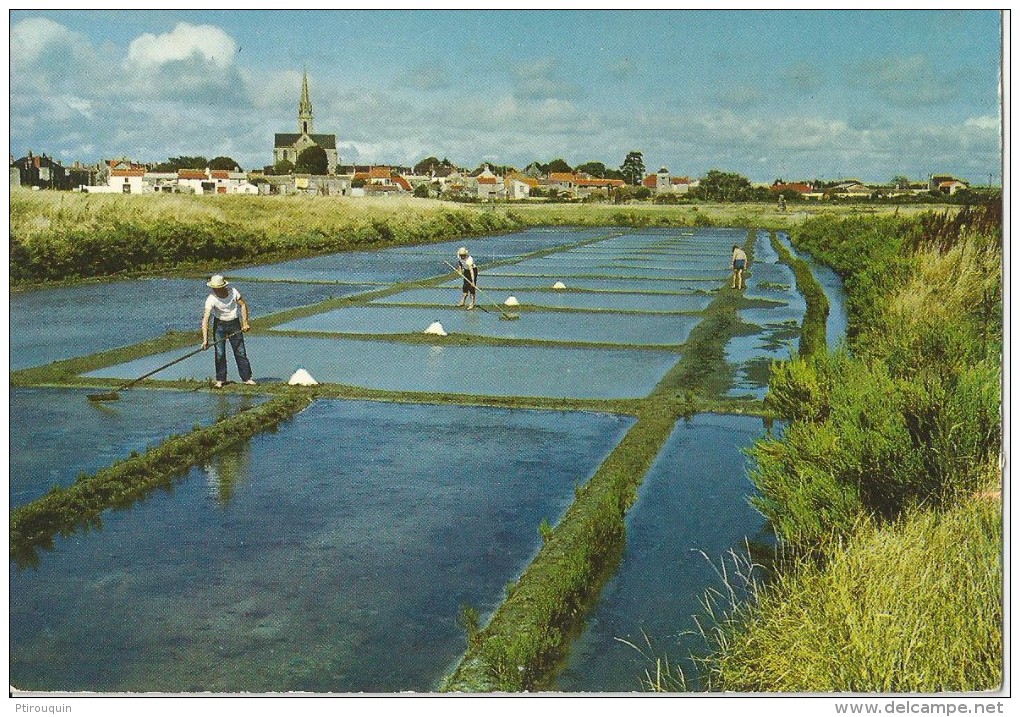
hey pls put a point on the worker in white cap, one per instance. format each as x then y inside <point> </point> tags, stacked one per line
<point>469,272</point>
<point>229,314</point>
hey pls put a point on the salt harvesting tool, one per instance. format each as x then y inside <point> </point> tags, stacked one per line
<point>113,395</point>
<point>502,314</point>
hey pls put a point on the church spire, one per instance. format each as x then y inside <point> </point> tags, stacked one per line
<point>305,108</point>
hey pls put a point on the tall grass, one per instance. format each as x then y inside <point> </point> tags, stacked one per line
<point>912,607</point>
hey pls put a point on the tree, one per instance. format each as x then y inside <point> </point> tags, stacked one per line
<point>642,193</point>
<point>901,182</point>
<point>633,168</point>
<point>224,163</point>
<point>557,165</point>
<point>724,186</point>
<point>427,166</point>
<point>175,163</point>
<point>421,191</point>
<point>284,166</point>
<point>312,160</point>
<point>593,169</point>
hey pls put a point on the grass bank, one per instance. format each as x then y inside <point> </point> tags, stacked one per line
<point>61,236</point>
<point>879,486</point>
<point>81,504</point>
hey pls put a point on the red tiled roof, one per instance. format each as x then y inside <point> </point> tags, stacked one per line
<point>680,180</point>
<point>380,173</point>
<point>598,182</point>
<point>487,180</point>
<point>649,181</point>
<point>220,174</point>
<point>799,187</point>
<point>127,172</point>
<point>561,177</point>
<point>191,174</point>
<point>404,184</point>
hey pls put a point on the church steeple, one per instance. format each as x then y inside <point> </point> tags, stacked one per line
<point>305,108</point>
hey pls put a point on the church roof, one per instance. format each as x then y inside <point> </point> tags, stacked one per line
<point>326,141</point>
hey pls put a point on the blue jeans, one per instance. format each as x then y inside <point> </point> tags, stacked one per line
<point>222,329</point>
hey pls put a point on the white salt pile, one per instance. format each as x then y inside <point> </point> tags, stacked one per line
<point>559,285</point>
<point>436,328</point>
<point>511,301</point>
<point>302,378</point>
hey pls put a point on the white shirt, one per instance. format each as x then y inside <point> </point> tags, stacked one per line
<point>224,309</point>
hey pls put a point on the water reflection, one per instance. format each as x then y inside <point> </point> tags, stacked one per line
<point>224,469</point>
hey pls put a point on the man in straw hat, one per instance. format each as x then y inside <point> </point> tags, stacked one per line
<point>469,270</point>
<point>223,305</point>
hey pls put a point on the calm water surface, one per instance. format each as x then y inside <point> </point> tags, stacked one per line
<point>332,555</point>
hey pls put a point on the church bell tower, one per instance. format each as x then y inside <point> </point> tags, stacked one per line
<point>305,108</point>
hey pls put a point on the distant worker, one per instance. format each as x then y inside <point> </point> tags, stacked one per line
<point>782,203</point>
<point>739,265</point>
<point>469,272</point>
<point>229,314</point>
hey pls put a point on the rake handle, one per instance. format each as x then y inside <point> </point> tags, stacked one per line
<point>473,284</point>
<point>129,384</point>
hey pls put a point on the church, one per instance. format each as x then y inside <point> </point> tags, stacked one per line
<point>289,146</point>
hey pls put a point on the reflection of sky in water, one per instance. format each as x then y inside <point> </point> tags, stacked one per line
<point>554,299</point>
<point>473,370</point>
<point>81,320</point>
<point>548,326</point>
<point>69,434</point>
<point>832,285</point>
<point>331,555</point>
<point>691,511</point>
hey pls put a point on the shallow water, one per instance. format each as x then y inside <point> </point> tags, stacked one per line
<point>489,283</point>
<point>832,285</point>
<point>58,447</point>
<point>399,264</point>
<point>81,320</point>
<point>541,326</point>
<point>777,335</point>
<point>566,274</point>
<point>691,511</point>
<point>336,559</point>
<point>618,301</point>
<point>473,370</point>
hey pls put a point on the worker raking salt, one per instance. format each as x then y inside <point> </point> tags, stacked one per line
<point>229,314</point>
<point>469,272</point>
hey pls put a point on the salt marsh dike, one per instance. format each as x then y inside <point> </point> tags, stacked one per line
<point>485,510</point>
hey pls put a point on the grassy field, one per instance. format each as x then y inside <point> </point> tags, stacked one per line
<point>59,236</point>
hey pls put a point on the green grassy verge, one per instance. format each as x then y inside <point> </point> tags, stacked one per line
<point>61,236</point>
<point>884,486</point>
<point>81,504</point>
<point>911,607</point>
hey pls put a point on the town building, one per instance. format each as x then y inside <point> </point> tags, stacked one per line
<point>288,147</point>
<point>663,183</point>
<point>946,184</point>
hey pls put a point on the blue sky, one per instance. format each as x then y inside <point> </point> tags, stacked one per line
<point>798,94</point>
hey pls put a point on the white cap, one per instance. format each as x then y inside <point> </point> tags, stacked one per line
<point>462,251</point>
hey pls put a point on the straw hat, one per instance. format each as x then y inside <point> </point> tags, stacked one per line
<point>217,282</point>
<point>462,251</point>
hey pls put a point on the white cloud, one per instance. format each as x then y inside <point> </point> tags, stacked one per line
<point>983,122</point>
<point>183,43</point>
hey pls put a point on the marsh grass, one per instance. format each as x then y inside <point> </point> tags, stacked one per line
<point>914,606</point>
